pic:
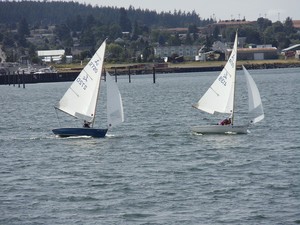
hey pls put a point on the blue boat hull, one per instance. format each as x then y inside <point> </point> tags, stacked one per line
<point>73,132</point>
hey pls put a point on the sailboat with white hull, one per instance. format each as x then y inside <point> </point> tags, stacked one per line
<point>220,98</point>
<point>80,100</point>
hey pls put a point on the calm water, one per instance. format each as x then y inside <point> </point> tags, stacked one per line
<point>152,169</point>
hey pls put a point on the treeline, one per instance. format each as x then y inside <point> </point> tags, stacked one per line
<point>262,32</point>
<point>132,33</point>
<point>51,13</point>
<point>88,26</point>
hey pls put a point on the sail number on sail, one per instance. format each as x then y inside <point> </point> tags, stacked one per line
<point>231,61</point>
<point>94,65</point>
<point>82,83</point>
<point>223,78</point>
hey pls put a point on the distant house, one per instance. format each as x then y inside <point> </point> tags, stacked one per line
<point>51,55</point>
<point>41,36</point>
<point>290,51</point>
<point>223,24</point>
<point>292,48</point>
<point>119,41</point>
<point>297,55</point>
<point>296,24</point>
<point>255,53</point>
<point>182,50</point>
<point>230,23</point>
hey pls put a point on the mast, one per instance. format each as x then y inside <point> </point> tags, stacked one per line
<point>99,84</point>
<point>93,121</point>
<point>234,80</point>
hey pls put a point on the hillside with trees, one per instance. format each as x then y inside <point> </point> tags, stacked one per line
<point>51,13</point>
<point>79,29</point>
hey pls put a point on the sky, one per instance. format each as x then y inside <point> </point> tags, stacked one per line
<point>218,9</point>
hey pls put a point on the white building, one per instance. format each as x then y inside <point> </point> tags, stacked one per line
<point>297,55</point>
<point>183,50</point>
<point>51,55</point>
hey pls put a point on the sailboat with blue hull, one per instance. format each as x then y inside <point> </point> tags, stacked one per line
<point>80,100</point>
<point>73,132</point>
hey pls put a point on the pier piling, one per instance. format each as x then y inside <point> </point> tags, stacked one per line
<point>154,75</point>
<point>129,75</point>
<point>23,79</point>
<point>18,80</point>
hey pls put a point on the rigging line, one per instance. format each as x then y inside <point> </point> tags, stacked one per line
<point>101,59</point>
<point>227,72</point>
<point>86,73</point>
<point>98,56</point>
<point>74,92</point>
<point>57,117</point>
<point>214,91</point>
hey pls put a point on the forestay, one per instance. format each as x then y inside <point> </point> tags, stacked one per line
<point>80,100</point>
<point>220,96</point>
<point>256,111</point>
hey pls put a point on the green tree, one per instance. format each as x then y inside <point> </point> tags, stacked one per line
<point>269,37</point>
<point>23,29</point>
<point>63,33</point>
<point>188,39</point>
<point>263,23</point>
<point>283,41</point>
<point>289,26</point>
<point>85,54</point>
<point>114,51</point>
<point>90,21</point>
<point>87,38</point>
<point>135,31</point>
<point>115,31</point>
<point>78,23</point>
<point>229,34</point>
<point>277,27</point>
<point>252,35</point>
<point>124,21</point>
<point>216,32</point>
<point>159,36</point>
<point>193,30</point>
<point>174,40</point>
<point>161,40</point>
<point>8,40</point>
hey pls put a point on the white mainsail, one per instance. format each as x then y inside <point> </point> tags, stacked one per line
<point>115,114</point>
<point>80,100</point>
<point>220,96</point>
<point>256,111</point>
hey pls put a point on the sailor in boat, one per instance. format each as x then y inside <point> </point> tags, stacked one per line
<point>226,121</point>
<point>86,124</point>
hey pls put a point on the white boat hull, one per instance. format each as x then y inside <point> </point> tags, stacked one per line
<point>219,129</point>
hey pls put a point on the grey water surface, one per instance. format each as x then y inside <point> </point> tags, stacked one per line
<point>152,169</point>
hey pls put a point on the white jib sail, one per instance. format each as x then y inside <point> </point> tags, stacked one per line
<point>80,100</point>
<point>220,96</point>
<point>115,114</point>
<point>256,111</point>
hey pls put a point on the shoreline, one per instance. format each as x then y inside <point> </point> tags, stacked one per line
<point>70,74</point>
<point>197,67</point>
<point>147,68</point>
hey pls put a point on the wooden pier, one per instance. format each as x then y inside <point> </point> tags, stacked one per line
<point>22,78</point>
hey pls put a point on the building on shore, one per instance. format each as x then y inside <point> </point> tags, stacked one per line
<point>187,51</point>
<point>291,51</point>
<point>51,55</point>
<point>257,53</point>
